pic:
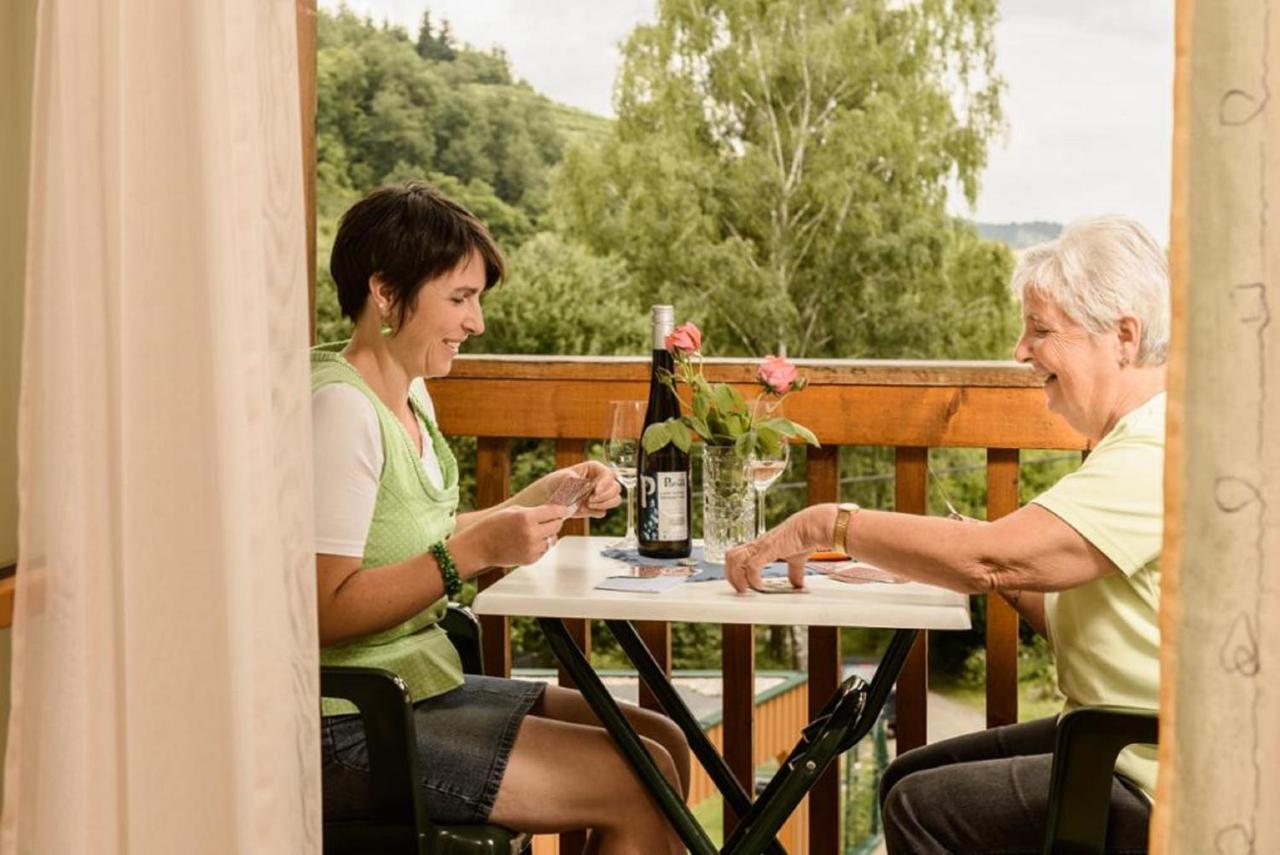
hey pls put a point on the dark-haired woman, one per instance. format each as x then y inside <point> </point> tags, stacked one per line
<point>410,268</point>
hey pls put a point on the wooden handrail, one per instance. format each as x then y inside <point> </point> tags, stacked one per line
<point>845,372</point>
<point>934,404</point>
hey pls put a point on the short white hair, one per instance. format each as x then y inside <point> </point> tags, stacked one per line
<point>1099,270</point>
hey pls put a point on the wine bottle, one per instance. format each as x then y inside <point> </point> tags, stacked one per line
<point>665,501</point>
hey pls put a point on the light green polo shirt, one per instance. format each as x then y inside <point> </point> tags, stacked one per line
<point>1106,634</point>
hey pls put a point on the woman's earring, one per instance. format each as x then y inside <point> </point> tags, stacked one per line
<point>1124,362</point>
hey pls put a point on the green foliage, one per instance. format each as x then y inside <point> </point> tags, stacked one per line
<point>390,109</point>
<point>720,415</point>
<point>560,298</point>
<point>781,170</point>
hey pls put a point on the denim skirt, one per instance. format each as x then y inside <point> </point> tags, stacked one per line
<point>464,740</point>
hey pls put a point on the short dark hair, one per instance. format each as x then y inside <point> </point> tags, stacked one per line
<point>406,235</point>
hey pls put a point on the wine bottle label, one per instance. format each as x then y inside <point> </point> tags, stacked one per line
<point>663,506</point>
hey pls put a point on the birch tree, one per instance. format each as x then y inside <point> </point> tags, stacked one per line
<point>780,171</point>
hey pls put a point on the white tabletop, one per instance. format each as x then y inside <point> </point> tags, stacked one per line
<point>562,584</point>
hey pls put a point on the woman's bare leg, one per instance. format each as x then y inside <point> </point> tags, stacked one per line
<point>563,776</point>
<point>568,705</point>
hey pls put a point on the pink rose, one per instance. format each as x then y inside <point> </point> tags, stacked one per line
<point>777,374</point>
<point>686,338</point>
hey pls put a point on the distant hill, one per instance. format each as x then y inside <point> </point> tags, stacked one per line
<point>1019,236</point>
<point>579,125</point>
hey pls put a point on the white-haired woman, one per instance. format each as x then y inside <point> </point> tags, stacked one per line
<point>1079,563</point>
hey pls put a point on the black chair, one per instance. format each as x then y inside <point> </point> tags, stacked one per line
<point>1084,760</point>
<point>399,821</point>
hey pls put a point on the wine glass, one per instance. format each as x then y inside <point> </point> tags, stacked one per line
<point>766,467</point>
<point>626,420</point>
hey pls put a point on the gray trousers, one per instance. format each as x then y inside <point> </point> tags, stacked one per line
<point>989,792</point>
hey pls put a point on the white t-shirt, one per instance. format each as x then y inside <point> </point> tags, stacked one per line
<point>347,446</point>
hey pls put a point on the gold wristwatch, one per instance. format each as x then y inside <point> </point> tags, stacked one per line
<point>844,513</point>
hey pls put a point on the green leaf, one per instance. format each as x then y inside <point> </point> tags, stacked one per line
<point>723,398</point>
<point>702,428</point>
<point>805,434</point>
<point>768,441</point>
<point>656,436</point>
<point>786,427</point>
<point>700,407</point>
<point>680,435</point>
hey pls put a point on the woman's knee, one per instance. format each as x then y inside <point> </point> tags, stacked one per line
<point>901,814</point>
<point>669,734</point>
<point>895,772</point>
<point>663,760</point>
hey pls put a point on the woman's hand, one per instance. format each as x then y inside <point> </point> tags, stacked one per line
<point>506,537</point>
<point>605,495</point>
<point>801,535</point>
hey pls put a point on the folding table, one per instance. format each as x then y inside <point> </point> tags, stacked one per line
<point>562,585</point>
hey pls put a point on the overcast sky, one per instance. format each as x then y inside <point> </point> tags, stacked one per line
<point>1089,100</point>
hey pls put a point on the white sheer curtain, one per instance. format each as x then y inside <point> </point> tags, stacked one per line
<point>164,666</point>
<point>1219,786</point>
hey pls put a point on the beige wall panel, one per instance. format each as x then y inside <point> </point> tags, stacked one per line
<point>1222,725</point>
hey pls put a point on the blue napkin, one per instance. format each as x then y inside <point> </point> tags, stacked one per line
<point>703,572</point>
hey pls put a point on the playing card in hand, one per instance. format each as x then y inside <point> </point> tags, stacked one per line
<point>572,491</point>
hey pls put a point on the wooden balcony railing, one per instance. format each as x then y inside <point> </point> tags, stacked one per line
<point>909,406</point>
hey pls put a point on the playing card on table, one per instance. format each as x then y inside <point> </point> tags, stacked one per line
<point>854,571</point>
<point>779,586</point>
<point>572,491</point>
<point>652,571</point>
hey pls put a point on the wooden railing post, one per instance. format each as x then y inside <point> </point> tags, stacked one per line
<point>911,468</point>
<point>825,666</point>
<point>1002,620</point>
<point>656,635</point>
<point>738,666</point>
<point>569,452</point>
<point>493,486</point>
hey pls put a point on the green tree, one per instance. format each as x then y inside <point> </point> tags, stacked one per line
<point>781,171</point>
<point>390,110</point>
<point>562,299</point>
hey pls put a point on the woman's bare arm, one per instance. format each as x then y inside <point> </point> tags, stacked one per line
<point>352,602</point>
<point>1030,551</point>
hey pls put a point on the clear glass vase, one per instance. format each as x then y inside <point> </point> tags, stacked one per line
<point>728,508</point>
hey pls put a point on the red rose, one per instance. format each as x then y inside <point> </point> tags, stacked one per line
<point>686,338</point>
<point>777,374</point>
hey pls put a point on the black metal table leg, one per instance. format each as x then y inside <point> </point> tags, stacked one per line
<point>848,717</point>
<point>676,709</point>
<point>606,708</point>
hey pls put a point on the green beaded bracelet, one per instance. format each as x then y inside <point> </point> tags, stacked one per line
<point>448,570</point>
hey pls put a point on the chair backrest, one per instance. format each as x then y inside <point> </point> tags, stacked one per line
<point>387,714</point>
<point>1084,760</point>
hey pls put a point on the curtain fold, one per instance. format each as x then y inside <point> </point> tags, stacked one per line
<point>164,647</point>
<point>1219,786</point>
